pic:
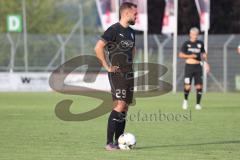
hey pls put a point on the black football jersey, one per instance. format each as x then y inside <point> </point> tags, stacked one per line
<point>120,44</point>
<point>193,48</point>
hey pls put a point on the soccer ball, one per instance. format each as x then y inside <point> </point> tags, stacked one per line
<point>126,141</point>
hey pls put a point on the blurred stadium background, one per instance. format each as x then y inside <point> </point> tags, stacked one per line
<point>58,30</point>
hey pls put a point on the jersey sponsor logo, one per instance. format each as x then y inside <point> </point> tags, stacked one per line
<point>194,50</point>
<point>126,44</point>
<point>122,46</point>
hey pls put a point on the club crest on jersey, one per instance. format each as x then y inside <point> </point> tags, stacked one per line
<point>189,45</point>
<point>121,34</point>
<point>199,45</point>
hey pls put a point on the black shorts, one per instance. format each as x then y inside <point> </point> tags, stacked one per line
<point>122,86</point>
<point>193,71</point>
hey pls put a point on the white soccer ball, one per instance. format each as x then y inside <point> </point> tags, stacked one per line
<point>126,141</point>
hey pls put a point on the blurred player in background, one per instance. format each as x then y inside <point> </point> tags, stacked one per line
<point>119,42</point>
<point>193,52</point>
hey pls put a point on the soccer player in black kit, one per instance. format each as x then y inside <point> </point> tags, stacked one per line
<point>193,52</point>
<point>119,43</point>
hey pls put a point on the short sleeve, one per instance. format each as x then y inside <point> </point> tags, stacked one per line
<point>108,35</point>
<point>134,36</point>
<point>184,47</point>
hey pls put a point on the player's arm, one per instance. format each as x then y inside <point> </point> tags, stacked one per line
<point>205,59</point>
<point>205,62</point>
<point>99,50</point>
<point>134,48</point>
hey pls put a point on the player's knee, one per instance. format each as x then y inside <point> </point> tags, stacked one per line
<point>187,87</point>
<point>120,106</point>
<point>198,86</point>
<point>126,108</point>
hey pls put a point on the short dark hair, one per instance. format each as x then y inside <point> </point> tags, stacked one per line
<point>126,5</point>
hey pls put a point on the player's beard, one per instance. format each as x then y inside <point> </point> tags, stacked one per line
<point>131,22</point>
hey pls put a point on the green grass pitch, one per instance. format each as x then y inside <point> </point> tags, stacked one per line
<point>30,130</point>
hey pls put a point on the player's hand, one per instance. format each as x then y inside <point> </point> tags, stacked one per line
<point>193,56</point>
<point>113,69</point>
<point>206,67</point>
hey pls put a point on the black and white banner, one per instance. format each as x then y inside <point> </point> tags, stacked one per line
<point>168,19</point>
<point>108,11</point>
<point>203,7</point>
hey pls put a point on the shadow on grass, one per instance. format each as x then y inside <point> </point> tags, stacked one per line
<point>186,145</point>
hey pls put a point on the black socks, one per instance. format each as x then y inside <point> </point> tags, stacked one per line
<point>120,126</point>
<point>199,95</point>
<point>186,93</point>
<point>112,124</point>
<point>116,125</point>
